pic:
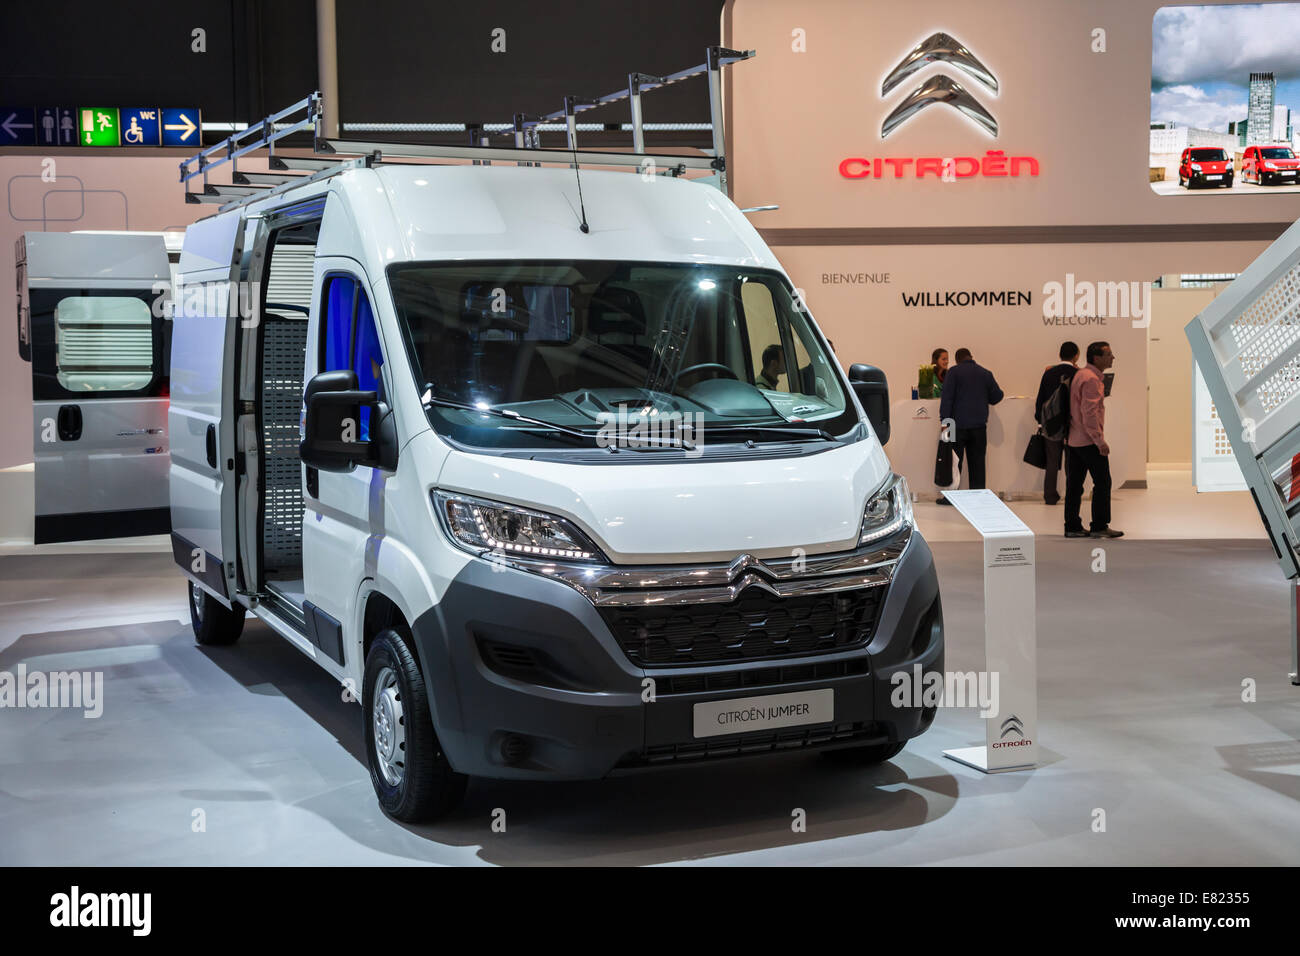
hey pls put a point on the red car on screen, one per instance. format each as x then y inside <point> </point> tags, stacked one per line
<point>1205,166</point>
<point>1269,164</point>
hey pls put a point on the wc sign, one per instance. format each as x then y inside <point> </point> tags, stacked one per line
<point>141,127</point>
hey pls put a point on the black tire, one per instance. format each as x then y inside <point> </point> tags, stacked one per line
<point>215,625</point>
<point>412,777</point>
<point>867,756</point>
<point>1228,182</point>
<point>1182,182</point>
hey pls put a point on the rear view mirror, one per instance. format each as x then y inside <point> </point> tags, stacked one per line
<point>872,389</point>
<point>333,424</point>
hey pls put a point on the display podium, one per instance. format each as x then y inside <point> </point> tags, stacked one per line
<point>1010,636</point>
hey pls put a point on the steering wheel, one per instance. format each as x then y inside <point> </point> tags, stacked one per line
<point>708,366</point>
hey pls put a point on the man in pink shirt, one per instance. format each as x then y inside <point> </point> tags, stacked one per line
<point>1086,449</point>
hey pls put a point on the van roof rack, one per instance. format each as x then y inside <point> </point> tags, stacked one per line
<point>336,155</point>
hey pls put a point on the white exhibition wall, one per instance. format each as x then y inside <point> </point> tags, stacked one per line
<point>870,322</point>
<point>1083,116</point>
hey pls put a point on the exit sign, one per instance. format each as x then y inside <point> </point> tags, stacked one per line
<point>98,126</point>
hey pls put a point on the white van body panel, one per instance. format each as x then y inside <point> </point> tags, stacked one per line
<point>692,512</point>
<point>367,530</point>
<point>403,213</point>
<point>202,395</point>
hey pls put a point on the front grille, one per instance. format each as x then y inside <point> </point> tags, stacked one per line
<point>758,677</point>
<point>795,738</point>
<point>758,625</point>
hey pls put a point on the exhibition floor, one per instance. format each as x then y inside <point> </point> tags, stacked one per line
<point>1141,669</point>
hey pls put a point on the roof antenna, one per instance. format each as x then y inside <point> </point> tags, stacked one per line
<point>582,225</point>
<point>571,104</point>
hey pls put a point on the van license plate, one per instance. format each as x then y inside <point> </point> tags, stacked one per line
<point>1214,177</point>
<point>1288,172</point>
<point>741,715</point>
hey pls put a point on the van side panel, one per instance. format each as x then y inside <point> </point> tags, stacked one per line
<point>345,520</point>
<point>200,419</point>
<point>96,327</point>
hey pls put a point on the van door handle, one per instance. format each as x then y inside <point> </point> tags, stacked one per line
<point>212,446</point>
<point>69,422</point>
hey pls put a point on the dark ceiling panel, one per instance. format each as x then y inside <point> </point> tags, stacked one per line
<point>408,61</point>
<point>82,53</point>
<point>399,60</point>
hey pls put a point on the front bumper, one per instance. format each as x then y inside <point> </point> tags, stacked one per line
<point>526,680</point>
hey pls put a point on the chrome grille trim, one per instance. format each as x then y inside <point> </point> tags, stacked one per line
<point>607,586</point>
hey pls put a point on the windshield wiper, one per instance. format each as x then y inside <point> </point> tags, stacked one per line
<point>791,431</point>
<point>539,424</point>
<point>509,415</point>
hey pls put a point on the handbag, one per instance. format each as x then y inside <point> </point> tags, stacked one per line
<point>943,464</point>
<point>1036,450</point>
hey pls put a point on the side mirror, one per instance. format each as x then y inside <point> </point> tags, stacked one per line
<point>333,426</point>
<point>872,389</point>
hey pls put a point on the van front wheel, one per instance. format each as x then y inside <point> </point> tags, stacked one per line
<point>214,623</point>
<point>412,777</point>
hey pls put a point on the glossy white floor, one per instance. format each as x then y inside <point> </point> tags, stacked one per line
<point>1168,508</point>
<point>1141,672</point>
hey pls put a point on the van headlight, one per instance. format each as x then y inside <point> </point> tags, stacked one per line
<point>480,526</point>
<point>888,511</point>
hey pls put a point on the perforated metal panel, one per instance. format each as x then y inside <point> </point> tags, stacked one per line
<point>1247,345</point>
<point>1263,332</point>
<point>284,349</point>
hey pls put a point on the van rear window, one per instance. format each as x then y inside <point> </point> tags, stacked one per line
<point>103,344</point>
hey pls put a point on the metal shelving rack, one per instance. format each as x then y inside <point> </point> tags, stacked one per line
<point>1247,345</point>
<point>333,155</point>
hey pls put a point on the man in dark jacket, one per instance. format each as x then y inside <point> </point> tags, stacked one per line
<point>1052,380</point>
<point>968,391</point>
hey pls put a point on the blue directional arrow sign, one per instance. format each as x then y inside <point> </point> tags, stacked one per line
<point>17,126</point>
<point>141,127</point>
<point>180,127</point>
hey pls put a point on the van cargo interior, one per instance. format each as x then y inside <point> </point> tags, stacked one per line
<point>281,372</point>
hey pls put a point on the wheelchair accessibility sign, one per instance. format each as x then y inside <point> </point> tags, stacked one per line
<point>141,127</point>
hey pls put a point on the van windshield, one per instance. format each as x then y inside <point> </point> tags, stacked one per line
<point>1276,152</point>
<point>585,344</point>
<point>1209,155</point>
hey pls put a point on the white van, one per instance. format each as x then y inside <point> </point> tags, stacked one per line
<point>402,462</point>
<point>92,321</point>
